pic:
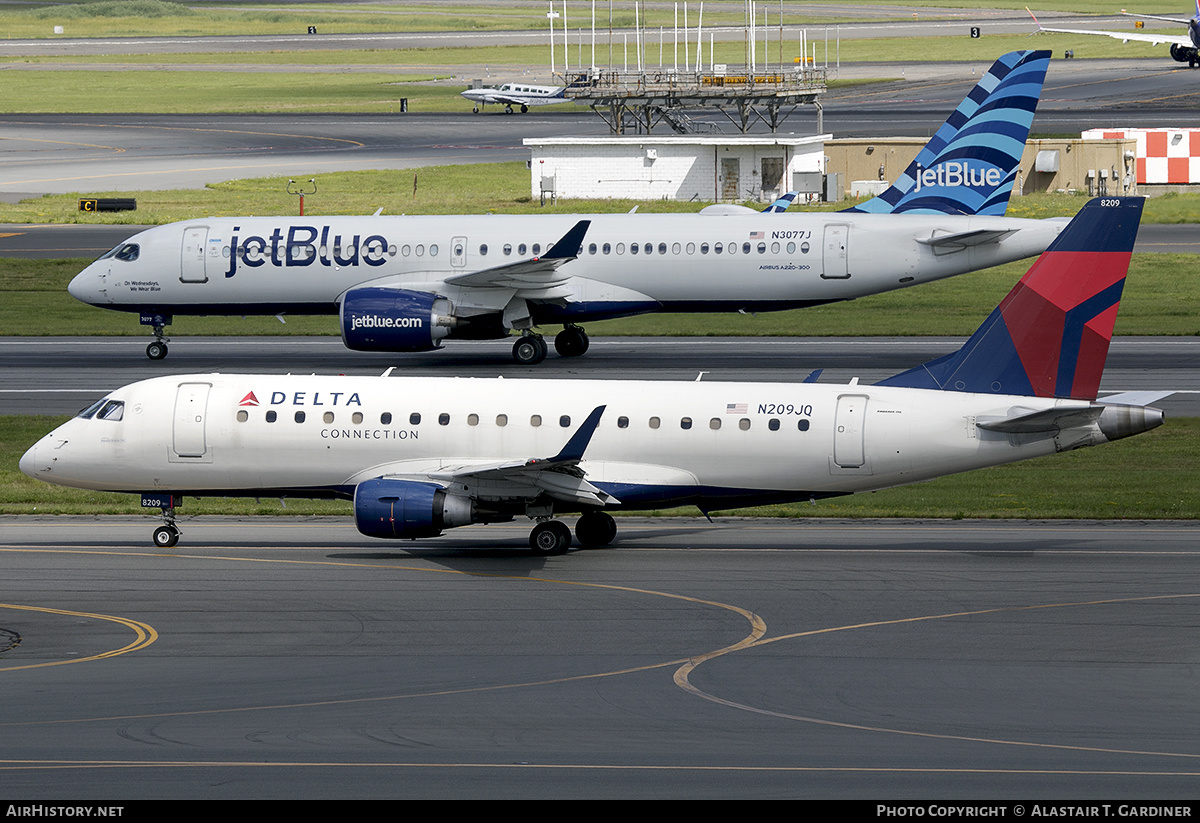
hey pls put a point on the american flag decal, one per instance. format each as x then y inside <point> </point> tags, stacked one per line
<point>757,235</point>
<point>735,408</point>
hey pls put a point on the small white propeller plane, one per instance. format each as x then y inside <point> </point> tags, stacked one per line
<point>522,95</point>
<point>419,456</point>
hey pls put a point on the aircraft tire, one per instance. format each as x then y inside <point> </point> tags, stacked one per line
<point>529,350</point>
<point>475,110</point>
<point>156,350</point>
<point>551,537</point>
<point>166,536</point>
<point>572,341</point>
<point>524,108</point>
<point>595,530</point>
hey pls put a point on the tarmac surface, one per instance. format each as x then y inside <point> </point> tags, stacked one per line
<point>277,657</point>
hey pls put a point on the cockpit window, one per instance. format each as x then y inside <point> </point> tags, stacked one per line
<point>87,413</point>
<point>112,410</point>
<point>126,251</point>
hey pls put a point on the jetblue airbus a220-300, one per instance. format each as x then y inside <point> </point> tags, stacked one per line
<point>422,455</point>
<point>409,283</point>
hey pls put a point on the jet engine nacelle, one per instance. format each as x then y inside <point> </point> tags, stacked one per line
<point>380,319</point>
<point>408,509</point>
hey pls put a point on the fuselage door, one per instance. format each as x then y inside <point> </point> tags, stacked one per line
<point>192,262</point>
<point>848,431</point>
<point>836,242</point>
<point>191,410</point>
<point>458,252</point>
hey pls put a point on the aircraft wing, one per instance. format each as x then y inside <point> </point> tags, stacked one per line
<point>534,272</point>
<point>558,477</point>
<point>1125,36</point>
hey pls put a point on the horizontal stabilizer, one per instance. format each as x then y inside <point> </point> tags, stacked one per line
<point>963,239</point>
<point>1047,420</point>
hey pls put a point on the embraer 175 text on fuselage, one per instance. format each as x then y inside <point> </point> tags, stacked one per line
<point>422,455</point>
<point>408,283</point>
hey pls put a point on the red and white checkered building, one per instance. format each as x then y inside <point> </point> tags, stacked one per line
<point>1163,155</point>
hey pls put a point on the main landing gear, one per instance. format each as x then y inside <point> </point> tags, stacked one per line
<point>530,349</point>
<point>594,530</point>
<point>158,349</point>
<point>167,535</point>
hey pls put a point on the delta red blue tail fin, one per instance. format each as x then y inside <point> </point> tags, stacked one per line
<point>1049,337</point>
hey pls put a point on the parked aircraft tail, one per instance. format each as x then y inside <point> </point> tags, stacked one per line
<point>1049,337</point>
<point>971,163</point>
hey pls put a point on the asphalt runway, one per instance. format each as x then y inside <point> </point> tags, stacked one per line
<point>273,658</point>
<point>64,375</point>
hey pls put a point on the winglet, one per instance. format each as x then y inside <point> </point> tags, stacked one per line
<point>570,243</point>
<point>573,451</point>
<point>1049,337</point>
<point>970,164</point>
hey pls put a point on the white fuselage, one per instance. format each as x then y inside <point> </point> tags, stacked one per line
<point>716,445</point>
<point>628,264</point>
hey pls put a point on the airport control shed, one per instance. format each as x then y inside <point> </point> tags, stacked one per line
<point>713,168</point>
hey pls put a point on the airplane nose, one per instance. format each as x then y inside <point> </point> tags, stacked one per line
<point>29,462</point>
<point>85,286</point>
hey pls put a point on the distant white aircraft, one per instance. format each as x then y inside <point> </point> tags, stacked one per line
<point>1184,48</point>
<point>409,283</point>
<point>516,94</point>
<point>422,455</point>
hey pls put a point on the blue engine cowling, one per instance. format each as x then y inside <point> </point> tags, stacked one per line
<point>408,509</point>
<point>379,319</point>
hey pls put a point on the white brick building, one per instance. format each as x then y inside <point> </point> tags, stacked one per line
<point>709,168</point>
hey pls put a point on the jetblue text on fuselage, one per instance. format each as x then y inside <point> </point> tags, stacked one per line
<point>954,173</point>
<point>300,248</point>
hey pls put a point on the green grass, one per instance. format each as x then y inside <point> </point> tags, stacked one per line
<point>468,188</point>
<point>1151,476</point>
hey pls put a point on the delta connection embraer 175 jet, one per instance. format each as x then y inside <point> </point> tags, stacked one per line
<point>1184,48</point>
<point>409,283</point>
<point>422,455</point>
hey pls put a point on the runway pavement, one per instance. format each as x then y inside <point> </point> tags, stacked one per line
<point>63,375</point>
<point>743,659</point>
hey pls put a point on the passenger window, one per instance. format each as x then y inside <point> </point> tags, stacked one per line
<point>606,248</point>
<point>406,250</point>
<point>502,420</point>
<point>299,417</point>
<point>662,248</point>
<point>715,423</point>
<point>535,420</point>
<point>622,422</point>
<point>773,424</point>
<point>271,416</point>
<point>472,420</point>
<point>746,248</point>
<point>521,249</point>
<point>483,249</point>
<point>633,248</point>
<point>357,418</point>
<point>685,423</point>
<point>537,248</point>
<point>443,419</point>
<point>564,421</point>
<point>591,248</point>
<point>620,248</point>
<point>744,424</point>
<point>655,422</point>
<point>762,248</point>
<point>243,415</point>
<point>802,425</point>
<point>648,248</point>
<point>704,249</point>
<point>414,419</point>
<point>328,417</point>
<point>385,418</point>
<point>507,249</point>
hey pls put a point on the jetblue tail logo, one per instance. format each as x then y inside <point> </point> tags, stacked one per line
<point>1049,337</point>
<point>971,163</point>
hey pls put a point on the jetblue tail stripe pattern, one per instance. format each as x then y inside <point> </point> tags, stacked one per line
<point>970,164</point>
<point>1049,337</point>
